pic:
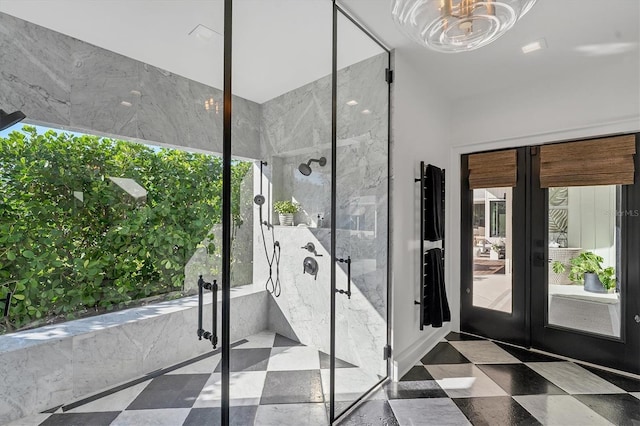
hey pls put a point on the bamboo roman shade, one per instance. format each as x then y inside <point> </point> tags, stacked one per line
<point>606,161</point>
<point>493,169</point>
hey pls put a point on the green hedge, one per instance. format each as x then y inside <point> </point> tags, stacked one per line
<point>63,255</point>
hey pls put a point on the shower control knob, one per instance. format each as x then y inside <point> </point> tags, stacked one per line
<point>309,247</point>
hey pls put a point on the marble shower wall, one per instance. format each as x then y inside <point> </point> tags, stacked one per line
<point>63,82</point>
<point>302,311</point>
<point>294,128</point>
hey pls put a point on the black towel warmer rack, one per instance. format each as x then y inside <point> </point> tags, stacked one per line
<point>425,186</point>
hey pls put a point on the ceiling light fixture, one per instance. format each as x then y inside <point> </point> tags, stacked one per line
<point>536,45</point>
<point>451,26</point>
<point>352,102</point>
<point>366,112</point>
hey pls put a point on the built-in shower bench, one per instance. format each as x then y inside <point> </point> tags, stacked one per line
<point>56,364</point>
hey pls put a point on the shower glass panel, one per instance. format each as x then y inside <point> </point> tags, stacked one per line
<point>280,257</point>
<point>129,216</point>
<point>361,214</point>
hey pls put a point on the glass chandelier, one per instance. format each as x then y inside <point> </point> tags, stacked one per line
<point>457,25</point>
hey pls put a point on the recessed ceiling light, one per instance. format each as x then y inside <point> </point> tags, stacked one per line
<point>366,111</point>
<point>125,103</point>
<point>136,93</point>
<point>536,45</point>
<point>352,102</point>
<point>203,33</point>
<point>605,49</point>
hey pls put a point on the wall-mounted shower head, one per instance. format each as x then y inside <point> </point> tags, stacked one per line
<point>8,120</point>
<point>259,199</point>
<point>305,169</point>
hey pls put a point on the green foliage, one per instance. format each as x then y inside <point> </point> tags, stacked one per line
<point>589,262</point>
<point>558,267</point>
<point>62,254</point>
<point>498,245</point>
<point>285,207</point>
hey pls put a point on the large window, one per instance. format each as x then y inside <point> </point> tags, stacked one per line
<point>90,224</point>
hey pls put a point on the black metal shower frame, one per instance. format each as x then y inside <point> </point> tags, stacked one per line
<point>226,206</point>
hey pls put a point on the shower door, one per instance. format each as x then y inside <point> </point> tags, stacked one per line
<point>361,214</point>
<point>281,270</point>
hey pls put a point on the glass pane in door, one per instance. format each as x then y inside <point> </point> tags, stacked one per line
<point>361,215</point>
<point>492,249</point>
<point>584,255</point>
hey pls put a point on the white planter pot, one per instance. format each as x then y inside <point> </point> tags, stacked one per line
<point>286,219</point>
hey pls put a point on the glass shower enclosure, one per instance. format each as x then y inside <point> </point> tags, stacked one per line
<point>318,98</point>
<point>226,226</point>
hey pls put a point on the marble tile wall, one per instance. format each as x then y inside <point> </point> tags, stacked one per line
<point>63,82</point>
<point>295,127</point>
<point>302,311</point>
<point>58,364</point>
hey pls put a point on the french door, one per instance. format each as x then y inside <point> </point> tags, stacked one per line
<point>571,206</point>
<point>494,268</point>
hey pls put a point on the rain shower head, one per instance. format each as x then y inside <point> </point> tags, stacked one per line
<point>8,120</point>
<point>305,169</point>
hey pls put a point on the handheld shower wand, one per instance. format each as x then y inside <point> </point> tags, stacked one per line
<point>272,286</point>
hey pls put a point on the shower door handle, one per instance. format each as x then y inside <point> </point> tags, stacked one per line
<point>208,335</point>
<point>348,290</point>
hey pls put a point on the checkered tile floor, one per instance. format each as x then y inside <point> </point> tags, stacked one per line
<point>274,381</point>
<point>463,380</point>
<point>466,380</point>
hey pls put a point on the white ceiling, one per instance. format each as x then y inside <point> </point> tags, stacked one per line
<point>564,24</point>
<point>280,45</point>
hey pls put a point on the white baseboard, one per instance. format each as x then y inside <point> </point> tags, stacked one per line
<point>406,359</point>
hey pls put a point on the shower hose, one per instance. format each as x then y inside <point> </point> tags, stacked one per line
<point>272,286</point>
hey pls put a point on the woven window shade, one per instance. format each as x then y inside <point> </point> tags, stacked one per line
<point>605,161</point>
<point>497,169</point>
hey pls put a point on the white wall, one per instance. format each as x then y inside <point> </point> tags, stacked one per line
<point>587,103</point>
<point>419,133</point>
<point>592,220</point>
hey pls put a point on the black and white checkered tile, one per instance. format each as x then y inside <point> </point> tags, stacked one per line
<point>274,380</point>
<point>467,380</point>
<point>277,381</point>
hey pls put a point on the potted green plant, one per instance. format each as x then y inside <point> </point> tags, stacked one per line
<point>499,249</point>
<point>586,269</point>
<point>286,210</point>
